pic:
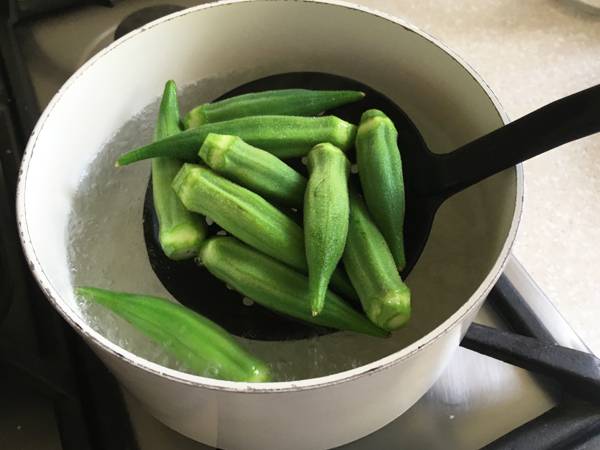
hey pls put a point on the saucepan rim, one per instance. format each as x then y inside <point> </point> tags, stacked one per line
<point>79,323</point>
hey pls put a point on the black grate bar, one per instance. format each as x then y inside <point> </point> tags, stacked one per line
<point>21,88</point>
<point>577,372</point>
<point>7,286</point>
<point>563,427</point>
<point>512,307</point>
<point>109,423</point>
<point>34,371</point>
<point>21,9</point>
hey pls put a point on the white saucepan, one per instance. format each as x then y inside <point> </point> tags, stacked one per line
<point>80,219</point>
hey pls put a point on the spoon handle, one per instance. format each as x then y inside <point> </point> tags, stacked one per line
<point>557,123</point>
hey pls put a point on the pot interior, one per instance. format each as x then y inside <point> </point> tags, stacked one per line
<point>82,218</point>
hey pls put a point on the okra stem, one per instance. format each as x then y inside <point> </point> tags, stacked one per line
<point>284,136</point>
<point>292,102</point>
<point>326,212</point>
<point>247,216</point>
<point>180,231</point>
<point>276,286</point>
<point>200,344</point>
<point>372,270</point>
<point>253,168</point>
<point>380,172</point>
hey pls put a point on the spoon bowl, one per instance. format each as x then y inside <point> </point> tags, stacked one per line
<point>237,314</point>
<point>429,180</point>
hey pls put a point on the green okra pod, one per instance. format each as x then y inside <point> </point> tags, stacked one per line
<point>253,168</point>
<point>372,270</point>
<point>247,216</point>
<point>276,286</point>
<point>380,172</point>
<point>180,231</point>
<point>326,212</point>
<point>285,102</point>
<point>284,136</point>
<point>200,344</point>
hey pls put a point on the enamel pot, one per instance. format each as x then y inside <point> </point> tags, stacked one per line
<point>80,219</point>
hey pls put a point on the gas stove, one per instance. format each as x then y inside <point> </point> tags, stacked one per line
<point>57,395</point>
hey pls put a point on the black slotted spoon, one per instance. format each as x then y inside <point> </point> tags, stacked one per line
<point>429,179</point>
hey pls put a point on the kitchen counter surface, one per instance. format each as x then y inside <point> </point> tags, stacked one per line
<point>531,53</point>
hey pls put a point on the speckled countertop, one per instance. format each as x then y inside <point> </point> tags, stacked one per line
<point>530,53</point>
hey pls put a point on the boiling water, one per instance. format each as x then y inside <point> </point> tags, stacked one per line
<point>107,250</point>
